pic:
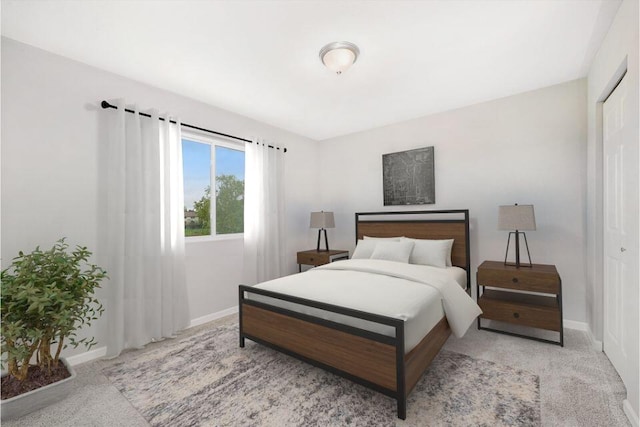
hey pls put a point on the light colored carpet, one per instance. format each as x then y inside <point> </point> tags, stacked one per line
<point>578,385</point>
<point>207,380</point>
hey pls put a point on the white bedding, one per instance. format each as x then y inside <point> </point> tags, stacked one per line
<point>459,275</point>
<point>420,295</point>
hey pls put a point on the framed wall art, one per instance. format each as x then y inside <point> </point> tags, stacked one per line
<point>408,177</point>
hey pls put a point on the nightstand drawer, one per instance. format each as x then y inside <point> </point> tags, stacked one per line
<point>313,258</point>
<point>522,279</point>
<point>521,309</point>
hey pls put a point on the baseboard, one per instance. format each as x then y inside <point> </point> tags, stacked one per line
<point>213,316</point>
<point>596,344</point>
<point>87,356</point>
<point>578,326</point>
<point>630,413</point>
<point>77,359</point>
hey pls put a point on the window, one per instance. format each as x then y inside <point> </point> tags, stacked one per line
<point>209,163</point>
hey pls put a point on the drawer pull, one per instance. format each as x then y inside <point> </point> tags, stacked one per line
<point>514,280</point>
<point>516,315</point>
<point>310,259</point>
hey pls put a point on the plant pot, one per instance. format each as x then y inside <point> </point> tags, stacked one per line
<point>39,398</point>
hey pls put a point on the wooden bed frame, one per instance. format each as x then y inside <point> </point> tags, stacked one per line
<point>374,360</point>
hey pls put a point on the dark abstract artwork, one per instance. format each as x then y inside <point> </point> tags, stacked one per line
<point>408,177</point>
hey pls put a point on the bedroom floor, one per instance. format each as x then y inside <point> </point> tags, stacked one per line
<point>578,385</point>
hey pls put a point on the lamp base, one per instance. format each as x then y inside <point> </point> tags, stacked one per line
<point>326,241</point>
<point>518,264</point>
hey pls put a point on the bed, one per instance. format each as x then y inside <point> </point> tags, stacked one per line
<point>379,347</point>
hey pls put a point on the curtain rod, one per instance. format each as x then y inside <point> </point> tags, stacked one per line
<point>105,105</point>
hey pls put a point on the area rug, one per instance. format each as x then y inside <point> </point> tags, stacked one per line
<point>207,380</point>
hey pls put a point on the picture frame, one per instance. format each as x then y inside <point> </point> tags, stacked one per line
<point>408,177</point>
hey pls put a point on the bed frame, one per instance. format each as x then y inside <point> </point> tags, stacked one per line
<point>374,360</point>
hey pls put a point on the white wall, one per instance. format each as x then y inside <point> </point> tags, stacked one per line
<point>619,50</point>
<point>528,148</point>
<point>51,131</point>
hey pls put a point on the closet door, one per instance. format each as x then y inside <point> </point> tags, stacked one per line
<point>620,233</point>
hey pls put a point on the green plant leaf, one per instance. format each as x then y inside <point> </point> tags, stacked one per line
<point>46,296</point>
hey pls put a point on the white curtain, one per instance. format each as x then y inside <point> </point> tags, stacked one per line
<point>145,230</point>
<point>263,213</point>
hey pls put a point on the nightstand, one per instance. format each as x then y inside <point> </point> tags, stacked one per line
<point>526,296</point>
<point>316,258</point>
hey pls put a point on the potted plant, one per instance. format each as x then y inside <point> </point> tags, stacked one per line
<point>46,297</point>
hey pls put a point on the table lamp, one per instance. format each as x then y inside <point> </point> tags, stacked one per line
<point>322,220</point>
<point>517,219</point>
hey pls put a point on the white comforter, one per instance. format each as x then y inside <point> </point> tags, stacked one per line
<point>420,295</point>
<point>459,307</point>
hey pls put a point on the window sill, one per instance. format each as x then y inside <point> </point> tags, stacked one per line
<point>218,238</point>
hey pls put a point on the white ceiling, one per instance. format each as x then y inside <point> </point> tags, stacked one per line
<point>260,58</point>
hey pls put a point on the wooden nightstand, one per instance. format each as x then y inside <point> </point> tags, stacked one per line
<point>316,258</point>
<point>537,302</point>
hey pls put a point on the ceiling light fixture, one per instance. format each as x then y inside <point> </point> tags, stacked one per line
<point>339,56</point>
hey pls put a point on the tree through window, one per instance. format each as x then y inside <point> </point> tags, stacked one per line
<point>207,164</point>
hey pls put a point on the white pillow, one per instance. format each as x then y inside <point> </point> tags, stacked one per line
<point>364,249</point>
<point>436,253</point>
<point>391,239</point>
<point>393,251</point>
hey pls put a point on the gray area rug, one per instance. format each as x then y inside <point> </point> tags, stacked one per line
<point>207,380</point>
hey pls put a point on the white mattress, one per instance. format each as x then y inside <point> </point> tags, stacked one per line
<point>419,305</point>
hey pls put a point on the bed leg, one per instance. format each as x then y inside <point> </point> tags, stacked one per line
<point>240,303</point>
<point>402,408</point>
<point>400,372</point>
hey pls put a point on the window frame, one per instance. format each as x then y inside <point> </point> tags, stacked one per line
<point>204,138</point>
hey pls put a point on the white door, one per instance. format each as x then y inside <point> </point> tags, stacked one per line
<point>620,232</point>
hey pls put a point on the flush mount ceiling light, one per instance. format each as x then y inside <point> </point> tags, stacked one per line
<point>339,56</point>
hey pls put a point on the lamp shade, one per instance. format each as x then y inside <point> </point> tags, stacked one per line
<point>322,220</point>
<point>516,217</point>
